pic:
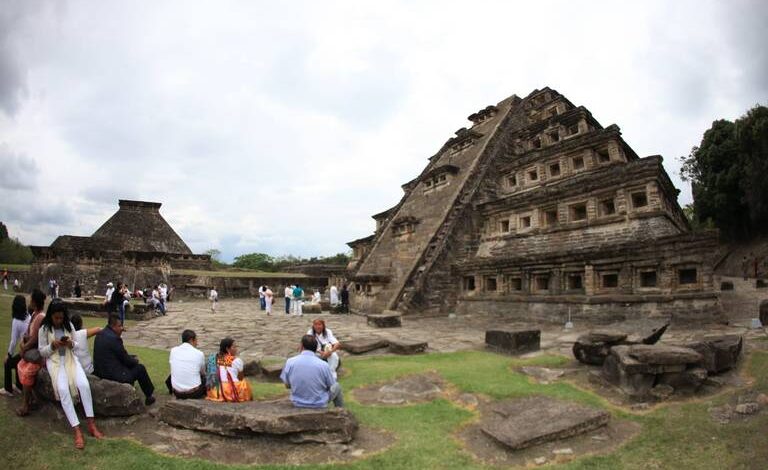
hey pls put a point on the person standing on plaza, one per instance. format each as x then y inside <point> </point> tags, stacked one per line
<point>108,294</point>
<point>344,299</point>
<point>5,278</point>
<point>213,296</point>
<point>298,296</point>
<point>19,327</point>
<point>334,296</point>
<point>269,297</point>
<point>78,290</point>
<point>288,295</point>
<point>262,303</point>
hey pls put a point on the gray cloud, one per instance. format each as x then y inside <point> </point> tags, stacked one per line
<point>18,170</point>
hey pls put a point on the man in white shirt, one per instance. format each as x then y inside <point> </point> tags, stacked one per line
<point>288,295</point>
<point>108,294</point>
<point>187,379</point>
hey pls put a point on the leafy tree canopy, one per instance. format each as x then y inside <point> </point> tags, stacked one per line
<point>727,172</point>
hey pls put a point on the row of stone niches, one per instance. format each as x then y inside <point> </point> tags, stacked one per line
<point>589,281</point>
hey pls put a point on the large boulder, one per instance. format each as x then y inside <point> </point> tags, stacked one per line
<point>262,418</point>
<point>525,422</point>
<point>513,341</point>
<point>363,345</point>
<point>719,353</point>
<point>109,398</point>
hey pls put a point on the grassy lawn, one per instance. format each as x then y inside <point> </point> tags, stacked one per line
<point>15,267</point>
<point>678,436</point>
<point>236,273</point>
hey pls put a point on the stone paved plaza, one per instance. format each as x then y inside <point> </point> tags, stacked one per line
<point>259,335</point>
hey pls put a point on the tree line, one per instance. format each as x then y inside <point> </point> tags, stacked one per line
<point>727,172</point>
<point>268,263</point>
<point>12,251</point>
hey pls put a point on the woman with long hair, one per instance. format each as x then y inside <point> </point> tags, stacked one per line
<point>327,344</point>
<point>31,362</point>
<point>224,375</point>
<point>56,343</point>
<point>19,326</point>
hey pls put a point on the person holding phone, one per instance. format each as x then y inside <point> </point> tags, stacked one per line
<point>56,345</point>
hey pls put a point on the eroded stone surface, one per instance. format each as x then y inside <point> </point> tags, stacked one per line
<point>364,345</point>
<point>262,418</point>
<point>407,346</point>
<point>109,398</point>
<point>410,389</point>
<point>385,320</point>
<point>719,353</point>
<point>664,355</point>
<point>525,422</point>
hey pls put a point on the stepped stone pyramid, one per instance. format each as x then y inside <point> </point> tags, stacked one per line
<point>539,212</point>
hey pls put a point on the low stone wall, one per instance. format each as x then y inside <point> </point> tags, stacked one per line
<point>96,308</point>
<point>683,309</point>
<point>228,286</point>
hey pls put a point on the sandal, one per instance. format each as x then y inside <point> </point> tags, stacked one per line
<point>93,430</point>
<point>79,439</point>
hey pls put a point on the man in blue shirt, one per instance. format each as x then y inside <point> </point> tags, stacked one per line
<point>310,378</point>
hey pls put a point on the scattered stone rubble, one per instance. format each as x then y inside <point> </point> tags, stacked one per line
<point>592,348</point>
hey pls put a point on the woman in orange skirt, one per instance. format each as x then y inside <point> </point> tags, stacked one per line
<point>225,378</point>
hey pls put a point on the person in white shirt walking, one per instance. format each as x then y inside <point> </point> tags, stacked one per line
<point>187,379</point>
<point>269,297</point>
<point>213,296</point>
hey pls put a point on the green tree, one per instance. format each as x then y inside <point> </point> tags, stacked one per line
<point>256,261</point>
<point>3,232</point>
<point>726,172</point>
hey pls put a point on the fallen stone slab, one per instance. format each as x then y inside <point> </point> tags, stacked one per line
<point>663,354</point>
<point>404,346</point>
<point>513,341</point>
<point>525,422</point>
<point>384,320</point>
<point>262,418</point>
<point>364,345</point>
<point>109,398</point>
<point>719,353</point>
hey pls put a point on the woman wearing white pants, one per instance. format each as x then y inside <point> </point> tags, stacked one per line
<point>55,344</point>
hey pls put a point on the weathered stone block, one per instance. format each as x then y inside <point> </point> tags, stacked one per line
<point>664,354</point>
<point>407,347</point>
<point>513,341</point>
<point>272,370</point>
<point>257,418</point>
<point>109,398</point>
<point>363,345</point>
<point>687,381</point>
<point>385,320</point>
<point>719,353</point>
<point>525,422</point>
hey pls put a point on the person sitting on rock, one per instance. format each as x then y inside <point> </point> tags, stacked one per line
<point>19,327</point>
<point>327,344</point>
<point>187,379</point>
<point>224,375</point>
<point>310,378</point>
<point>31,361</point>
<point>81,336</point>
<point>112,362</point>
<point>55,342</point>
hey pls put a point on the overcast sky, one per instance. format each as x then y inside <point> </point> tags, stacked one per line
<point>280,127</point>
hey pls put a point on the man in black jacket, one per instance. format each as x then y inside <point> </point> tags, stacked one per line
<point>112,362</point>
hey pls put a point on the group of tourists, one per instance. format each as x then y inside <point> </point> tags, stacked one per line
<point>56,341</point>
<point>294,296</point>
<point>117,299</point>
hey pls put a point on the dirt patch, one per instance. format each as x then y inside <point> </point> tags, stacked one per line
<point>165,439</point>
<point>417,388</point>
